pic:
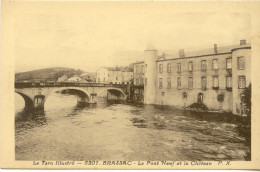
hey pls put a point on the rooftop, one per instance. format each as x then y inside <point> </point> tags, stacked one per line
<point>121,69</point>
<point>205,52</point>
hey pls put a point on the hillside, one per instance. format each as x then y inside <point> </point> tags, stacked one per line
<point>47,74</point>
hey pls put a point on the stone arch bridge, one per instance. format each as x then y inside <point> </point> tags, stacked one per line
<point>35,94</point>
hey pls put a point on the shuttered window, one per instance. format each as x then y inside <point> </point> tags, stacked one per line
<point>215,81</point>
<point>160,83</point>
<point>241,81</point>
<point>203,83</point>
<point>241,63</point>
<point>169,83</point>
<point>179,83</point>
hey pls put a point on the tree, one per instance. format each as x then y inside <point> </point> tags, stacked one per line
<point>246,101</point>
<point>244,127</point>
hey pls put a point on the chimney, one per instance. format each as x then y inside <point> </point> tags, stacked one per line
<point>181,53</point>
<point>163,56</point>
<point>216,48</point>
<point>243,42</point>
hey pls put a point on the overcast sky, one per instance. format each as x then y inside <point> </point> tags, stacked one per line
<point>88,37</point>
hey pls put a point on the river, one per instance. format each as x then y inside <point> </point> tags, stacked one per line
<point>108,131</point>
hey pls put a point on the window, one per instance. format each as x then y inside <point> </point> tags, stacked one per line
<point>215,64</point>
<point>190,66</point>
<point>190,82</point>
<point>220,97</point>
<point>169,68</point>
<point>145,81</point>
<point>161,68</point>
<point>116,78</point>
<point>142,81</point>
<point>203,83</point>
<point>160,83</point>
<point>138,69</point>
<point>241,63</point>
<point>184,95</point>
<point>241,81</point>
<point>137,81</point>
<point>169,83</point>
<point>179,83</point>
<point>215,81</point>
<point>142,69</point>
<point>229,63</point>
<point>179,67</point>
<point>200,98</point>
<point>204,65</point>
<point>229,82</point>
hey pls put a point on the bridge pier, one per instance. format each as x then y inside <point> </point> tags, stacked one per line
<point>82,101</point>
<point>92,98</point>
<point>38,102</point>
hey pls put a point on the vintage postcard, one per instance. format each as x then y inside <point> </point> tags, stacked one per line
<point>130,85</point>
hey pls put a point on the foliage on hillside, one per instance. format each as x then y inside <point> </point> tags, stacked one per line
<point>47,74</point>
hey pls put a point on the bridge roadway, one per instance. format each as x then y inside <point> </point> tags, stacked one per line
<point>35,94</point>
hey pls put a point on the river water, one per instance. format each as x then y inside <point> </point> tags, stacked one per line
<point>108,131</point>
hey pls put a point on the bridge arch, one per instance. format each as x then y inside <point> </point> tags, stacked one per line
<point>81,93</point>
<point>27,100</point>
<point>113,94</point>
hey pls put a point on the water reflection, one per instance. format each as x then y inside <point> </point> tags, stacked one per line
<point>26,120</point>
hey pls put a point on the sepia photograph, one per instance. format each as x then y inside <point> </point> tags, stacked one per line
<point>102,83</point>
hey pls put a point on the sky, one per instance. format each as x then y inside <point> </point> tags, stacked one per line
<point>89,36</point>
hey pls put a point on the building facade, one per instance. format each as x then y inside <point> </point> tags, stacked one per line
<point>215,77</point>
<point>137,91</point>
<point>108,75</point>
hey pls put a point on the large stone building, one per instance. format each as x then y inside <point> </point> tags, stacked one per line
<point>138,86</point>
<point>109,75</point>
<point>215,77</point>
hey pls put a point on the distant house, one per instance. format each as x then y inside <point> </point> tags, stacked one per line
<point>114,75</point>
<point>63,78</point>
<point>50,81</point>
<point>24,80</point>
<point>76,79</point>
<point>89,77</point>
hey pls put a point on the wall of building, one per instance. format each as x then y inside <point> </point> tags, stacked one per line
<point>137,90</point>
<point>174,95</point>
<point>246,53</point>
<point>119,77</point>
<point>221,95</point>
<point>127,77</point>
<point>139,73</point>
<point>107,75</point>
<point>102,75</point>
<point>150,75</point>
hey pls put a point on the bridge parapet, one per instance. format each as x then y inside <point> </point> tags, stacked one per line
<point>66,84</point>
